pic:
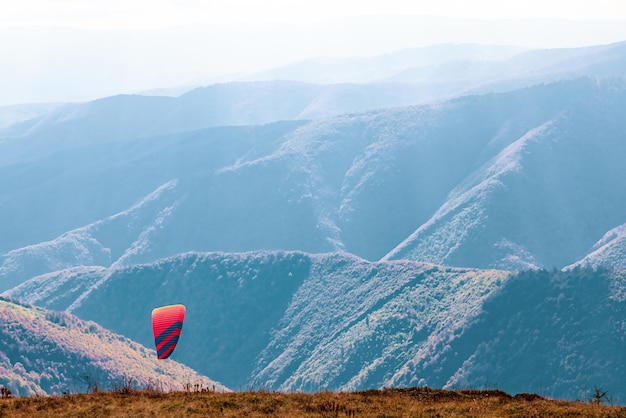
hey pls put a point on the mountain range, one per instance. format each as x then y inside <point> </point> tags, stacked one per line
<point>526,179</point>
<point>342,236</point>
<point>293,321</point>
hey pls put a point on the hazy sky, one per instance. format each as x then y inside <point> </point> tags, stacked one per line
<point>59,50</point>
<point>159,13</point>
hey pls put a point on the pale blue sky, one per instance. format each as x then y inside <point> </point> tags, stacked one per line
<point>159,13</point>
<point>70,50</point>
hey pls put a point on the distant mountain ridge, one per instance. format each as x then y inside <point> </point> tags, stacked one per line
<point>227,104</point>
<point>405,77</point>
<point>522,69</point>
<point>386,66</point>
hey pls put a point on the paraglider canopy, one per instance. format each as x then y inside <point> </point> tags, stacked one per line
<point>167,323</point>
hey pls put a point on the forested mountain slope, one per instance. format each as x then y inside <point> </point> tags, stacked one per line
<point>48,352</point>
<point>295,321</point>
<point>514,180</point>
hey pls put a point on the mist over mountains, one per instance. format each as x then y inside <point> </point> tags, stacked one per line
<point>343,236</point>
<point>51,63</point>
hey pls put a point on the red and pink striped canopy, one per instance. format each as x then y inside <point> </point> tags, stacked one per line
<point>167,323</point>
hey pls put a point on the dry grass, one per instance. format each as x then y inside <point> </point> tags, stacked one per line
<point>412,402</point>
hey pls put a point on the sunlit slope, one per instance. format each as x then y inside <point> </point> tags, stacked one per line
<point>556,333</point>
<point>609,252</point>
<point>46,352</point>
<point>542,200</point>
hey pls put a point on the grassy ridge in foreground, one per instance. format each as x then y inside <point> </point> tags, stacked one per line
<point>412,402</point>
